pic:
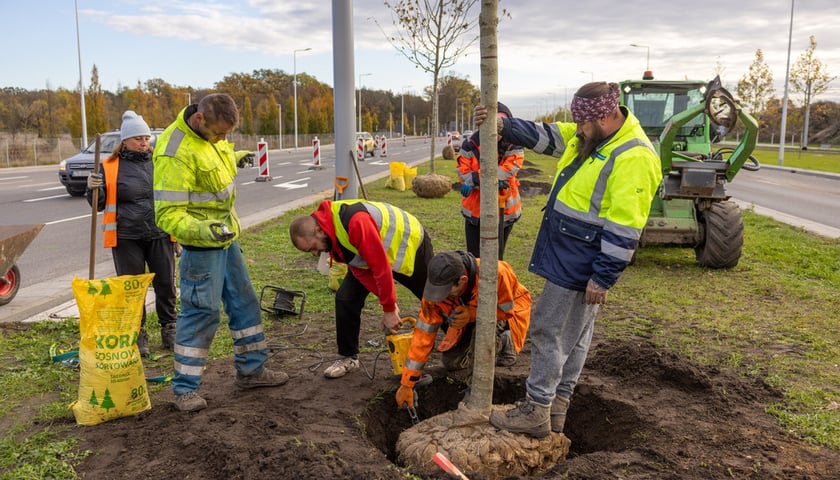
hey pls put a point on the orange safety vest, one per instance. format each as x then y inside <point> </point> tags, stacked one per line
<point>509,166</point>
<point>513,306</point>
<point>110,166</point>
<point>109,216</point>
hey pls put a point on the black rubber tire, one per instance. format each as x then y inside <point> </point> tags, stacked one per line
<point>9,290</point>
<point>75,193</point>
<point>723,236</point>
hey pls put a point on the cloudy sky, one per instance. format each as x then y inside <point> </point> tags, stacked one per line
<point>546,50</point>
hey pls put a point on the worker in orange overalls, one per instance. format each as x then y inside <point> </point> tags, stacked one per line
<point>450,298</point>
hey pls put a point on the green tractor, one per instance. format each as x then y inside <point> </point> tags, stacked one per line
<point>683,119</point>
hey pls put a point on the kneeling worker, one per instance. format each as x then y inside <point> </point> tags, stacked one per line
<point>450,298</point>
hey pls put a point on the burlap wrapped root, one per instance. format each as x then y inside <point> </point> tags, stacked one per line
<point>431,185</point>
<point>476,447</point>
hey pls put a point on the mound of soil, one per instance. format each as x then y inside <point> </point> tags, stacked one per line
<point>638,413</point>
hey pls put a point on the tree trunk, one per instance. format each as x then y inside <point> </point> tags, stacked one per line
<point>481,391</point>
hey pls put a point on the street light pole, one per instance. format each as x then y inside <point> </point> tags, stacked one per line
<point>294,87</point>
<point>360,99</point>
<point>81,82</point>
<point>648,74</point>
<point>279,126</point>
<point>402,110</point>
<point>591,75</point>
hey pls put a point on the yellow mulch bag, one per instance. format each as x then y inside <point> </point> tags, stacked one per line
<point>408,174</point>
<point>112,381</point>
<point>397,180</point>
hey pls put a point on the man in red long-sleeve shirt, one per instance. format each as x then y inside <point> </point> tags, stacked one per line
<point>380,243</point>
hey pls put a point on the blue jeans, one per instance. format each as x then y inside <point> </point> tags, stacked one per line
<point>561,331</point>
<point>210,278</point>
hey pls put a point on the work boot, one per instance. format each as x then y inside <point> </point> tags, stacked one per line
<point>507,354</point>
<point>190,402</point>
<point>143,342</point>
<point>266,378</point>
<point>528,417</point>
<point>167,336</point>
<point>558,414</point>
<point>341,367</point>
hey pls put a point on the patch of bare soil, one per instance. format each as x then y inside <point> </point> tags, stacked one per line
<point>638,413</point>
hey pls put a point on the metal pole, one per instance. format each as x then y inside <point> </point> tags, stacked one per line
<point>81,82</point>
<point>360,98</point>
<point>279,126</point>
<point>294,83</point>
<point>785,101</point>
<point>344,74</point>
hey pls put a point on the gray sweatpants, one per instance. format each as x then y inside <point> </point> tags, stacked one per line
<point>561,331</point>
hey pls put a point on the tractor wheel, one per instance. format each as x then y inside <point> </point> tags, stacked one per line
<point>9,285</point>
<point>723,236</point>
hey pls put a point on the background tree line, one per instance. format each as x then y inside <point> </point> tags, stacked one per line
<point>263,96</point>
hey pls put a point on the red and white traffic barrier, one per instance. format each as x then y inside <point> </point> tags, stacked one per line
<point>403,140</point>
<point>448,139</point>
<point>360,149</point>
<point>383,147</point>
<point>316,155</point>
<point>262,155</point>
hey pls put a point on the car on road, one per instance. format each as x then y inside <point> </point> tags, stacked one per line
<point>74,171</point>
<point>367,140</point>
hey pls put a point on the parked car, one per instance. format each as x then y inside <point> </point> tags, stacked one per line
<point>467,134</point>
<point>73,171</point>
<point>368,142</point>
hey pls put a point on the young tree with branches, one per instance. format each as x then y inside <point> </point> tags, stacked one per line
<point>755,88</point>
<point>809,76</point>
<point>433,35</point>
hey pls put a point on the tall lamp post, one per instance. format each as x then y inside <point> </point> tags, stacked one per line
<point>82,83</point>
<point>591,75</point>
<point>279,126</point>
<point>360,99</point>
<point>402,110</point>
<point>648,75</point>
<point>294,86</point>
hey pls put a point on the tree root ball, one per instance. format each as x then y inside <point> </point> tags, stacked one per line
<point>476,447</point>
<point>448,152</point>
<point>431,185</point>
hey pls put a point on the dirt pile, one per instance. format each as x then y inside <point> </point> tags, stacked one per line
<point>638,413</point>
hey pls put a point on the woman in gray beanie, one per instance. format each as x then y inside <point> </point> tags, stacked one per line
<point>129,229</point>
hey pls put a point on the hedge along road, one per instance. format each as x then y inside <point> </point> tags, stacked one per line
<point>31,195</point>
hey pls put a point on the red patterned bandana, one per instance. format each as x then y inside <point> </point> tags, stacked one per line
<point>588,109</point>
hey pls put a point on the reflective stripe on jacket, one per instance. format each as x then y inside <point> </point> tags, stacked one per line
<point>194,185</point>
<point>400,231</point>
<point>513,306</point>
<point>469,160</point>
<point>595,214</point>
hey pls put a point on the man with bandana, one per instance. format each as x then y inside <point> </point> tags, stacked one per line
<point>607,175</point>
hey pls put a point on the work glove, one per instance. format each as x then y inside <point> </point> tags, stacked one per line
<point>503,185</point>
<point>475,180</point>
<point>220,232</point>
<point>247,159</point>
<point>406,397</point>
<point>465,190</point>
<point>177,248</point>
<point>94,181</point>
<point>452,337</point>
<point>460,317</point>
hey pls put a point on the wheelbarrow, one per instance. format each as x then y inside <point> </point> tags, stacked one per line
<point>13,241</point>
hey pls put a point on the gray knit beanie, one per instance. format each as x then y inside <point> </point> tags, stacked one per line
<point>133,126</point>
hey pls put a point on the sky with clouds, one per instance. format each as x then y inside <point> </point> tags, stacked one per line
<point>546,49</point>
